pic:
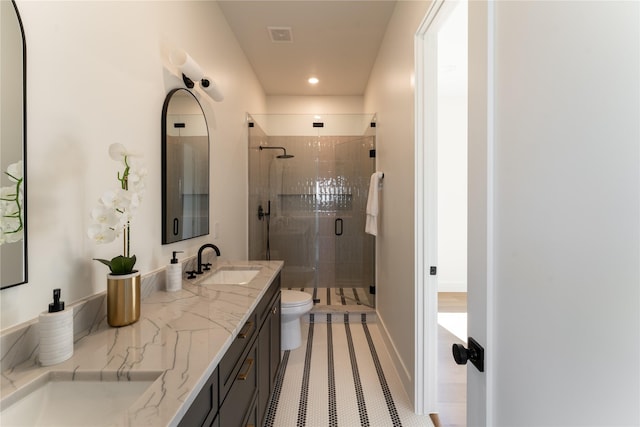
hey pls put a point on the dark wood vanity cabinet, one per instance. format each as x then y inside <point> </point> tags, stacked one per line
<point>269,354</point>
<point>203,410</point>
<point>237,393</point>
<point>235,410</point>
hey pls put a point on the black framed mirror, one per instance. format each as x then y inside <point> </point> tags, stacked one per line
<point>13,139</point>
<point>185,168</point>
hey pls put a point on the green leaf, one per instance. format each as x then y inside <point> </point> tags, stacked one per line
<point>119,265</point>
<point>104,261</point>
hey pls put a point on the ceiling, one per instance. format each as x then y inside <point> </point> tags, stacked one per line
<point>336,41</point>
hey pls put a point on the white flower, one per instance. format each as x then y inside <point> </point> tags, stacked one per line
<point>134,201</point>
<point>8,195</point>
<point>119,153</point>
<point>14,171</point>
<point>115,208</point>
<point>105,216</point>
<point>11,202</point>
<point>101,234</point>
<point>10,235</point>
<point>109,200</point>
<point>11,229</point>
<point>136,179</point>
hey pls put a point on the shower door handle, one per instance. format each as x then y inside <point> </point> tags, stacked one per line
<point>338,226</point>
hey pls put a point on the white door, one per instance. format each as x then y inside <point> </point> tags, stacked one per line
<point>480,202</point>
<point>554,231</point>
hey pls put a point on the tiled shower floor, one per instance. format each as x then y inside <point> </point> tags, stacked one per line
<point>339,296</point>
<point>342,376</point>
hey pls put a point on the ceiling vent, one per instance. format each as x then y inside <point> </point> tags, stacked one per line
<point>280,34</point>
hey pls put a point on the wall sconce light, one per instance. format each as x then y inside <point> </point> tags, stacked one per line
<point>211,88</point>
<point>191,72</point>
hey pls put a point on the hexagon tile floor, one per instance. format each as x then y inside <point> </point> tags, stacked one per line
<point>339,296</point>
<point>341,376</point>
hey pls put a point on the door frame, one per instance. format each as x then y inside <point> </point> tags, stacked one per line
<point>480,208</point>
<point>426,249</point>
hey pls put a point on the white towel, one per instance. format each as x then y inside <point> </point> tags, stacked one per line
<point>371,226</point>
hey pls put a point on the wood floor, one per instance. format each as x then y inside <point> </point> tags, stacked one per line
<point>452,378</point>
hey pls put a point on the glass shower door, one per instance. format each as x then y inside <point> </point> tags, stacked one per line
<point>354,249</point>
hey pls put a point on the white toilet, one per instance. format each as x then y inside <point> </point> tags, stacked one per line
<point>293,305</point>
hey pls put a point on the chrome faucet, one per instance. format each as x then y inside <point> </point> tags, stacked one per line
<point>202,248</point>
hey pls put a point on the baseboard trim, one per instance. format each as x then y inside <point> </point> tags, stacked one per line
<point>405,375</point>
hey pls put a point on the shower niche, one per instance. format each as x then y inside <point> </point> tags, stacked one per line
<point>308,185</point>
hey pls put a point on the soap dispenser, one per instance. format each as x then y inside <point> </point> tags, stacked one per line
<point>56,332</point>
<point>174,273</point>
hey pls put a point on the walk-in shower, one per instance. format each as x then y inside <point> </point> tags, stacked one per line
<point>308,208</point>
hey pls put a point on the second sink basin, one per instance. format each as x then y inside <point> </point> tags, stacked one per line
<point>232,276</point>
<point>53,401</point>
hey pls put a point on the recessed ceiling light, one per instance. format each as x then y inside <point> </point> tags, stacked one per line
<point>313,80</point>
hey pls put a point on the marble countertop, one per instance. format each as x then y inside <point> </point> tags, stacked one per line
<point>180,339</point>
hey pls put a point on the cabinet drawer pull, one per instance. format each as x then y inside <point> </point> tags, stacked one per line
<point>242,376</point>
<point>246,329</point>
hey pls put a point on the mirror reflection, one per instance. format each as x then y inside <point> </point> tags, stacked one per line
<point>13,254</point>
<point>185,168</point>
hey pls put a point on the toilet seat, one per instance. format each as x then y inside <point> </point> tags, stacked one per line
<point>294,298</point>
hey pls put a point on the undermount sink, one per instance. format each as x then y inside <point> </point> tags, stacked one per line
<point>55,400</point>
<point>232,276</point>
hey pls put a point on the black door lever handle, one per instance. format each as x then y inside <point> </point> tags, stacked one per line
<point>475,353</point>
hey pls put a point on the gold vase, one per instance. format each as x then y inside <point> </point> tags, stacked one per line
<point>123,299</point>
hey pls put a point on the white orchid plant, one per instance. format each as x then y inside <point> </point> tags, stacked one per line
<point>11,206</point>
<point>112,217</point>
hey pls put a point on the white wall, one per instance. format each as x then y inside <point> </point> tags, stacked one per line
<point>294,116</point>
<point>390,93</point>
<point>452,194</point>
<point>452,151</point>
<point>316,105</point>
<point>98,74</point>
<point>565,342</point>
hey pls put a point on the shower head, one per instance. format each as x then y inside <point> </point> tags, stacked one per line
<point>281,156</point>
